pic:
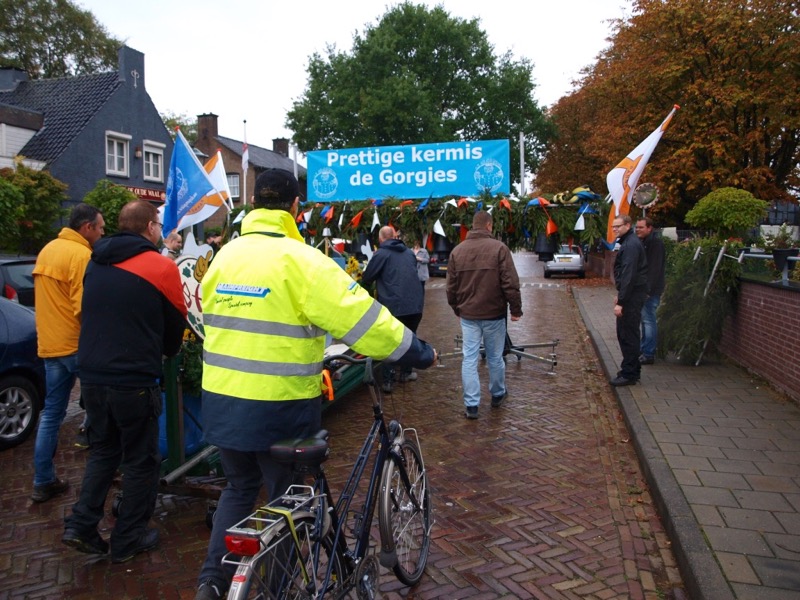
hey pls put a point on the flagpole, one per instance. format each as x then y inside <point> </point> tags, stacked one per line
<point>245,158</point>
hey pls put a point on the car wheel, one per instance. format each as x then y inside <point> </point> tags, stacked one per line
<point>582,275</point>
<point>19,410</point>
<point>547,274</point>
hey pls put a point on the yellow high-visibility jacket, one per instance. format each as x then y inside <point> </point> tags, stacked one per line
<point>268,300</point>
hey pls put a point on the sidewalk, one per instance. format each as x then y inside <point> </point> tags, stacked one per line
<point>721,454</point>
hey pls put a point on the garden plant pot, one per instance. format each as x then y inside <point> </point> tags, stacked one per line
<point>779,255</point>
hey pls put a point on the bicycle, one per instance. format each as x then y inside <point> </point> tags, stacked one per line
<point>296,547</point>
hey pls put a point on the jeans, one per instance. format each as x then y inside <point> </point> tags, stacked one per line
<point>123,429</point>
<point>493,333</point>
<point>245,472</point>
<point>649,326</point>
<point>60,374</point>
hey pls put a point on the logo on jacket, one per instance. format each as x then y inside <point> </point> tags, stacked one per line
<point>236,289</point>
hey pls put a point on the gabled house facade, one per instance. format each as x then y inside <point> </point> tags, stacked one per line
<point>87,128</point>
<point>260,159</point>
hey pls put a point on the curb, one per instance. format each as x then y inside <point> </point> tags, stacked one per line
<point>698,566</point>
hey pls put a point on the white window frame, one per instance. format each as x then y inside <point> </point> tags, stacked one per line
<point>121,153</point>
<point>153,154</point>
<point>234,185</point>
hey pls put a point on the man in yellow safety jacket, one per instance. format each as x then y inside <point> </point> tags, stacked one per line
<point>268,301</point>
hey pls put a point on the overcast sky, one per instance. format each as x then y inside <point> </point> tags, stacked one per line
<point>247,59</point>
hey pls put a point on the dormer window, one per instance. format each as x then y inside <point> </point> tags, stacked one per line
<point>117,154</point>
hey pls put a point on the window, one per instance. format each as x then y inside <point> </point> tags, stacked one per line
<point>233,185</point>
<point>153,161</point>
<point>117,153</point>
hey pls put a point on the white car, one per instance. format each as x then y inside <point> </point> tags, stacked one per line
<point>568,260</point>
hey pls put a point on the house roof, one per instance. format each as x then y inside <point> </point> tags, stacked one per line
<point>261,158</point>
<point>67,104</point>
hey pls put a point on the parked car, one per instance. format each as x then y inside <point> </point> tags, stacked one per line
<point>567,260</point>
<point>22,385</point>
<point>16,278</point>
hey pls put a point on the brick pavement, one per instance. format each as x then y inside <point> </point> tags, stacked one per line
<point>541,498</point>
<point>721,452</point>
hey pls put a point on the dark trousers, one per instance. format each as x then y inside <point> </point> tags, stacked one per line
<point>412,322</point>
<point>123,434</point>
<point>629,335</point>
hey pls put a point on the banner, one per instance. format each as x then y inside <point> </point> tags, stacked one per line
<point>418,171</point>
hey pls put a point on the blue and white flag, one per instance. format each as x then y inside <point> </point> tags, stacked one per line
<point>187,185</point>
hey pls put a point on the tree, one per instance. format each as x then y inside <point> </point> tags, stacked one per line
<point>418,76</point>
<point>11,199</point>
<point>728,212</point>
<point>731,65</point>
<point>42,196</point>
<point>187,125</point>
<point>109,199</point>
<point>53,38</point>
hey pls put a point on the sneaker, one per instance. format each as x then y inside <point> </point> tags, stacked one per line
<point>620,380</point>
<point>387,387</point>
<point>471,412</point>
<point>81,439</point>
<point>208,590</point>
<point>43,493</point>
<point>408,377</point>
<point>498,400</point>
<point>646,360</point>
<point>91,545</point>
<point>147,541</point>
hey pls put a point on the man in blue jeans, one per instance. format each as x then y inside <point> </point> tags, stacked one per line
<point>58,285</point>
<point>482,283</point>
<point>654,251</point>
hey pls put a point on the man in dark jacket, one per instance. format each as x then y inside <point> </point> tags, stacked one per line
<point>394,269</point>
<point>482,284</point>
<point>630,278</point>
<point>654,251</point>
<point>133,314</point>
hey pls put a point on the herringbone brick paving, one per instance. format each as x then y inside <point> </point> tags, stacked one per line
<point>541,498</point>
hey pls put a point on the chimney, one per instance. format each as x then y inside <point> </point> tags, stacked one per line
<point>281,146</point>
<point>10,78</point>
<point>207,130</point>
<point>131,66</point>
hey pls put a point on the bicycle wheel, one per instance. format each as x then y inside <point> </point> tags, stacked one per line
<point>287,569</point>
<point>402,523</point>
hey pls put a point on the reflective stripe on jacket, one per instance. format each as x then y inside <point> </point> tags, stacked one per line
<point>268,299</point>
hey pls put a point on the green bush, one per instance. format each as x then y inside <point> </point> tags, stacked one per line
<point>11,199</point>
<point>728,212</point>
<point>41,211</point>
<point>109,199</point>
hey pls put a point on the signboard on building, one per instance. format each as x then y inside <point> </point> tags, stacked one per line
<point>417,171</point>
<point>147,193</point>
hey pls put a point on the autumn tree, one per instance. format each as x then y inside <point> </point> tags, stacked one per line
<point>188,125</point>
<point>732,66</point>
<point>53,38</point>
<point>418,76</point>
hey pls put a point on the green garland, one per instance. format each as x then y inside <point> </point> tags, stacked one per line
<point>514,221</point>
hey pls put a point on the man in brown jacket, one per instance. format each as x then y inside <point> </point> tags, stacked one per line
<point>482,284</point>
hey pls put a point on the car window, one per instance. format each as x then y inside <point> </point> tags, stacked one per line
<point>19,275</point>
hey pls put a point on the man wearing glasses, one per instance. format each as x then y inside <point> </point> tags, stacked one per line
<point>630,279</point>
<point>133,315</point>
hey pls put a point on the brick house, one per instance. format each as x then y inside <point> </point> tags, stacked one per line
<point>260,159</point>
<point>87,128</point>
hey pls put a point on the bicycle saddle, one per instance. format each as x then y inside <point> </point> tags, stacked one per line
<point>302,451</point>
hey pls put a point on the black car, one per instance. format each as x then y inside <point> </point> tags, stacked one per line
<point>16,278</point>
<point>22,383</point>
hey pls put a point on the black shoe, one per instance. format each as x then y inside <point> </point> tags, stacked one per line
<point>43,493</point>
<point>81,439</point>
<point>498,400</point>
<point>646,360</point>
<point>208,590</point>
<point>387,387</point>
<point>91,545</point>
<point>619,380</point>
<point>471,412</point>
<point>147,541</point>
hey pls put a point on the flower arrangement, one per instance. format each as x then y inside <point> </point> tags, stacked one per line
<point>191,364</point>
<point>781,240</point>
<point>354,268</point>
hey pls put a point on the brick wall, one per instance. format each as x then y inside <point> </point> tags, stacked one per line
<point>764,334</point>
